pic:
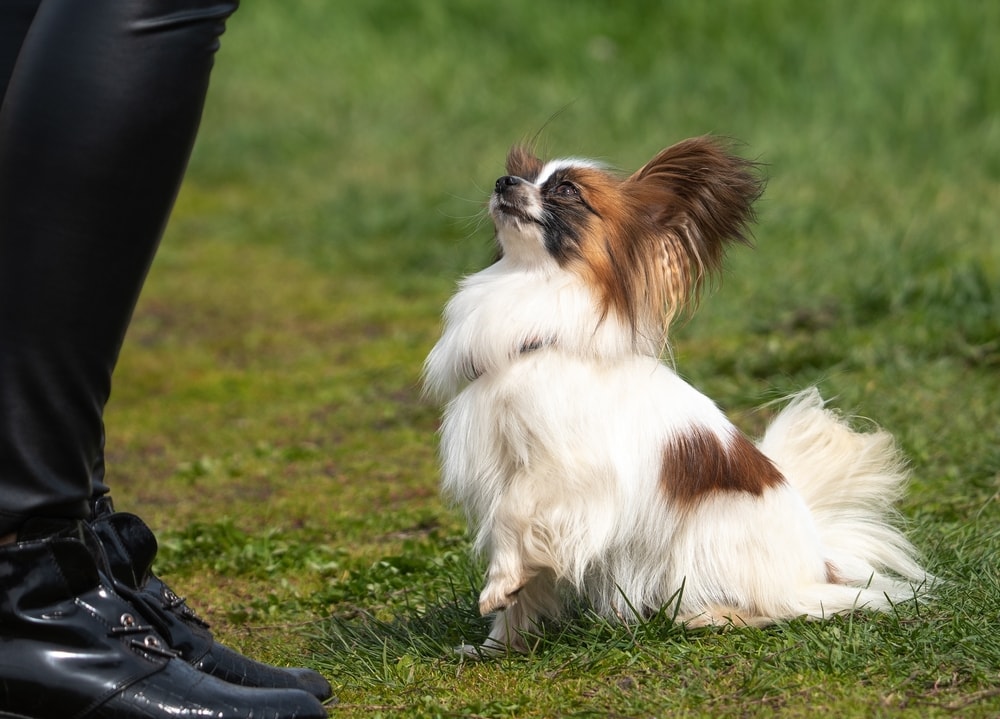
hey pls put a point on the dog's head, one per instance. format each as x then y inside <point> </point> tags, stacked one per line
<point>645,243</point>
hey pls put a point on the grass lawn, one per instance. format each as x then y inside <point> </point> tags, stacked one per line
<point>267,419</point>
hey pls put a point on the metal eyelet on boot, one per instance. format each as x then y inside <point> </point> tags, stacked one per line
<point>171,602</point>
<point>170,598</point>
<point>128,624</point>
<point>153,644</point>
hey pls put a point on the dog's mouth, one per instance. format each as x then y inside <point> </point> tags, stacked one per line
<point>502,208</point>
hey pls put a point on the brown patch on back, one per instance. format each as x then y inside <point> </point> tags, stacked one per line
<point>832,576</point>
<point>700,463</point>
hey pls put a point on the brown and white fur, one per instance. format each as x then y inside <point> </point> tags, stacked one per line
<point>584,463</point>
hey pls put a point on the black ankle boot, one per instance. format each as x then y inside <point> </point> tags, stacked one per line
<point>70,646</point>
<point>130,548</point>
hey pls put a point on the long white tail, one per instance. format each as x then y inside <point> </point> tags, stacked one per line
<point>850,481</point>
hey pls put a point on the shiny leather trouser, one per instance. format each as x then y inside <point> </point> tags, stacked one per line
<point>101,103</point>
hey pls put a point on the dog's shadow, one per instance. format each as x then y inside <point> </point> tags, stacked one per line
<point>448,629</point>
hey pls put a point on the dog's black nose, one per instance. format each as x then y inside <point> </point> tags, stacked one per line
<point>507,181</point>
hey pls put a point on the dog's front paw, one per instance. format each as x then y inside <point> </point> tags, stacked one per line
<point>498,595</point>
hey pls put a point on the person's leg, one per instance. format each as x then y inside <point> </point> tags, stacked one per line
<point>96,127</point>
<point>15,19</point>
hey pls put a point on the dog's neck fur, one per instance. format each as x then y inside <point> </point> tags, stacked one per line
<point>501,312</point>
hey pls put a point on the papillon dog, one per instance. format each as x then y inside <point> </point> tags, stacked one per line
<point>587,466</point>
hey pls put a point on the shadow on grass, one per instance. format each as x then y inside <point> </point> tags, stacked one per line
<point>375,650</point>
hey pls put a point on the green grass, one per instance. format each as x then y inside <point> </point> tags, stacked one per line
<point>267,420</point>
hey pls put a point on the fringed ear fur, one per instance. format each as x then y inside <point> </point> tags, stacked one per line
<point>692,199</point>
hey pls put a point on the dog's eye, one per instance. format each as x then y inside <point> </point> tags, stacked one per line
<point>566,189</point>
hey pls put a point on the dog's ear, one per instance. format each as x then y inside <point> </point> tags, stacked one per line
<point>522,162</point>
<point>701,185</point>
<point>694,198</point>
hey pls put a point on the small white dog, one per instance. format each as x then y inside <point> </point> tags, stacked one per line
<point>584,463</point>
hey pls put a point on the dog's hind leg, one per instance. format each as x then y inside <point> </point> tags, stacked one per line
<point>723,616</point>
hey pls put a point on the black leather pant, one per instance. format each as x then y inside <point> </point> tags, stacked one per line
<point>101,104</point>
